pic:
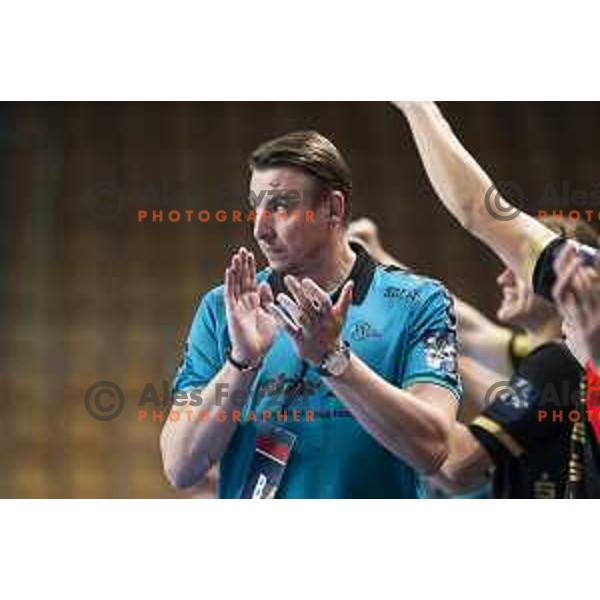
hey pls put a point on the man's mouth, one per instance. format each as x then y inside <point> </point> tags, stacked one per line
<point>271,250</point>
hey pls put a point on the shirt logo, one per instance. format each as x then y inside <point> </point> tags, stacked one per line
<point>364,331</point>
<point>396,292</point>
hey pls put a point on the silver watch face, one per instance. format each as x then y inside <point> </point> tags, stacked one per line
<point>337,362</point>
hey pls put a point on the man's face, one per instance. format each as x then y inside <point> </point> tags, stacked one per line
<point>520,306</point>
<point>293,244</point>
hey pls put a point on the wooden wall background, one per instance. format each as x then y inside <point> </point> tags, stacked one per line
<point>85,300</point>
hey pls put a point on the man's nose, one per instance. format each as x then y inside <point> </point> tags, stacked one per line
<point>263,227</point>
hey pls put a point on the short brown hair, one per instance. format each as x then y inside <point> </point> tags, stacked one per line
<point>580,231</point>
<point>312,152</point>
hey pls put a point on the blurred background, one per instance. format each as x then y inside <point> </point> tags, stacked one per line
<point>89,294</point>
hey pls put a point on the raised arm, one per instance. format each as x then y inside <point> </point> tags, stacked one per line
<point>191,445</point>
<point>468,193</point>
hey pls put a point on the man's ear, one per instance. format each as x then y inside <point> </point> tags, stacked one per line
<point>337,208</point>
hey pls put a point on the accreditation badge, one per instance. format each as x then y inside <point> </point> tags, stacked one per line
<point>271,454</point>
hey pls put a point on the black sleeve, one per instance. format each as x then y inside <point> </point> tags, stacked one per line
<point>534,406</point>
<point>493,439</point>
<point>543,274</point>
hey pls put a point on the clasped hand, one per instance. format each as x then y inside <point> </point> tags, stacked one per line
<point>308,315</point>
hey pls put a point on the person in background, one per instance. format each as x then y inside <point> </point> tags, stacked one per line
<point>490,351</point>
<point>512,440</point>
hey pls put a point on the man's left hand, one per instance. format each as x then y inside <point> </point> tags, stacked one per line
<point>310,318</point>
<point>577,296</point>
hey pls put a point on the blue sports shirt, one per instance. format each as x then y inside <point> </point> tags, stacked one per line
<point>400,324</point>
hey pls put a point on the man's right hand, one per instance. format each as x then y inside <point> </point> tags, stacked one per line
<point>577,296</point>
<point>252,327</point>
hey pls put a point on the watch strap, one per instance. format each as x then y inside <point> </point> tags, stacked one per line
<point>243,367</point>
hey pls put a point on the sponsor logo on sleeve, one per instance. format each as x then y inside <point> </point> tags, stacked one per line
<point>440,351</point>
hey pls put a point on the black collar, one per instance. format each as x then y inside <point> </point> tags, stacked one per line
<point>362,275</point>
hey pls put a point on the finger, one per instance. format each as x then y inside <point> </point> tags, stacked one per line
<point>571,311</point>
<point>229,297</point>
<point>318,298</point>
<point>265,294</point>
<point>248,281</point>
<point>587,279</point>
<point>564,269</point>
<point>230,283</point>
<point>568,318</point>
<point>587,312</point>
<point>589,293</point>
<point>564,279</point>
<point>291,308</point>
<point>565,256</point>
<point>343,304</point>
<point>299,296</point>
<point>584,294</point>
<point>594,293</point>
<point>564,306</point>
<point>284,321</point>
<point>244,269</point>
<point>577,283</point>
<point>236,269</point>
<point>252,269</point>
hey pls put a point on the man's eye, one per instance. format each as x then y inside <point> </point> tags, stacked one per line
<point>280,205</point>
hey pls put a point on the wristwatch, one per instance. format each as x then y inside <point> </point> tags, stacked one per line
<point>336,362</point>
